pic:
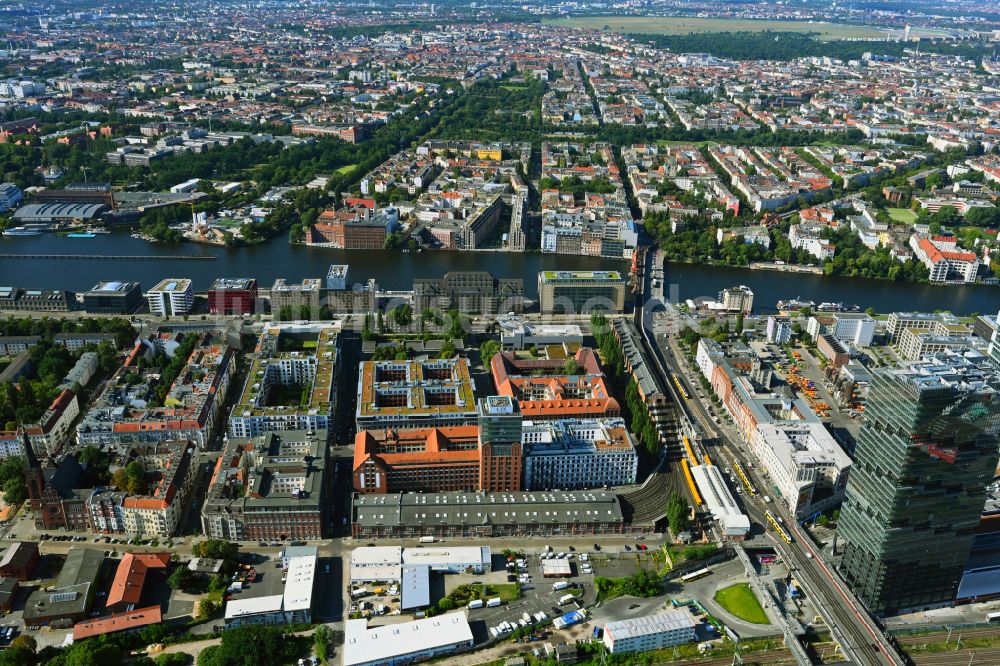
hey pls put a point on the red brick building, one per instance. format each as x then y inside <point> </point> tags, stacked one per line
<point>19,560</point>
<point>233,296</point>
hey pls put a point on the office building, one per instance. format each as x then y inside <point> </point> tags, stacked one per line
<point>268,487</point>
<point>431,393</point>
<point>10,196</point>
<point>336,277</point>
<point>130,579</point>
<point>651,632</point>
<point>291,362</point>
<point>805,464</point>
<point>113,298</point>
<point>833,350</point>
<point>993,350</point>
<point>924,456</point>
<point>856,328</point>
<point>295,301</point>
<point>233,296</point>
<point>516,333</point>
<point>36,300</point>
<point>407,642</point>
<point>578,454</point>
<point>566,388</point>
<point>171,297</point>
<point>469,292</point>
<point>581,292</point>
<point>451,458</point>
<point>779,330</point>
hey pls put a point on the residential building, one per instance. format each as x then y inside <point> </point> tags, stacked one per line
<point>779,330</point>
<point>158,512</point>
<point>12,345</point>
<point>651,632</point>
<point>81,373</point>
<point>898,321</point>
<point>233,296</point>
<point>293,299</point>
<point>943,258</point>
<point>336,277</point>
<point>290,360</point>
<point>77,341</point>
<point>430,393</point>
<point>581,292</point>
<point>126,621</point>
<point>171,297</point>
<point>805,464</point>
<point>408,642</point>
<point>113,298</point>
<point>120,415</point>
<point>488,514</point>
<point>925,453</point>
<point>469,292</point>
<point>856,328</point>
<point>270,487</point>
<point>578,454</point>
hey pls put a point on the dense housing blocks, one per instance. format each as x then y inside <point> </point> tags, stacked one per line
<point>415,394</point>
<point>291,382</point>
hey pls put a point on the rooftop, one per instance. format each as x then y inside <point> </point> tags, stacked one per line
<point>364,645</point>
<point>172,285</point>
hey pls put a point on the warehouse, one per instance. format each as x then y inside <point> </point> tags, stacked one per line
<point>38,213</point>
<point>651,632</point>
<point>407,642</point>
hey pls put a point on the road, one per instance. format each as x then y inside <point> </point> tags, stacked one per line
<point>859,636</point>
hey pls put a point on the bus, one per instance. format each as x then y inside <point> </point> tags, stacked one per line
<point>695,575</point>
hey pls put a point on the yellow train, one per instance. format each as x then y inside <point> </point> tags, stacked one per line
<point>779,527</point>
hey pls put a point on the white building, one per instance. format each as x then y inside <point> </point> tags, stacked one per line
<point>733,523</point>
<point>651,632</point>
<point>515,333</point>
<point>385,563</point>
<point>292,606</point>
<point>173,296</point>
<point>407,642</point>
<point>806,465</point>
<point>585,453</point>
<point>779,330</point>
<point>737,299</point>
<point>809,237</point>
<point>856,328</point>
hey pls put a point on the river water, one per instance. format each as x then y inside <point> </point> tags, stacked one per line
<point>395,270</point>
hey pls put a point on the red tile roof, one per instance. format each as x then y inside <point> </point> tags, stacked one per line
<point>131,575</point>
<point>121,622</point>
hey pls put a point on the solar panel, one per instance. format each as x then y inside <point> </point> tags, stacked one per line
<point>62,596</point>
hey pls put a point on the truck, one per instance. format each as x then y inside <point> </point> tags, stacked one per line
<point>494,602</point>
<point>566,598</point>
<point>359,592</point>
<point>561,585</point>
<point>426,539</point>
<point>476,603</point>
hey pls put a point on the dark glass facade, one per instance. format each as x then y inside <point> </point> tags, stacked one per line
<point>924,457</point>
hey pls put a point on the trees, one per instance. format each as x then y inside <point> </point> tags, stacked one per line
<point>488,350</point>
<point>402,315</point>
<point>322,639</point>
<point>12,469</point>
<point>182,578</point>
<point>677,513</point>
<point>251,646</point>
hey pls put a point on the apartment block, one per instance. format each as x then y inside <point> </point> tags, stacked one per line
<point>297,297</point>
<point>415,394</point>
<point>578,453</point>
<point>469,292</point>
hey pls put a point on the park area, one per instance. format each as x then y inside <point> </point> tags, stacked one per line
<point>740,600</point>
<point>683,25</point>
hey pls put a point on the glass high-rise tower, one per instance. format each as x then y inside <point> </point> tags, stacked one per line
<point>924,456</point>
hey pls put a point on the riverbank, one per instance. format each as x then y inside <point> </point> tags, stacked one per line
<point>395,270</point>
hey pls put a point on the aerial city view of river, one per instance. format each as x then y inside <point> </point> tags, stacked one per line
<point>22,266</point>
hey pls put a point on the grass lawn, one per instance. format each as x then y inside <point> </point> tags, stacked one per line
<point>346,168</point>
<point>682,25</point>
<point>740,600</point>
<point>510,87</point>
<point>507,591</point>
<point>902,215</point>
